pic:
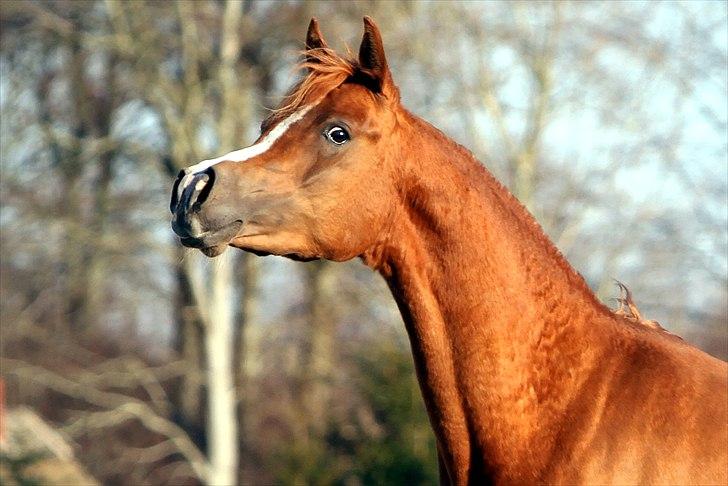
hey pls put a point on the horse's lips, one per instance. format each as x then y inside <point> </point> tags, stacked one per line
<point>212,243</point>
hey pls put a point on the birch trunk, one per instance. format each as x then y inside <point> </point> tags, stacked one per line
<point>221,400</point>
<point>220,338</point>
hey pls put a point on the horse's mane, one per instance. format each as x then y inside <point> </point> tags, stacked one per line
<point>326,71</point>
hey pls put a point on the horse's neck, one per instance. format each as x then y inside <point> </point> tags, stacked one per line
<point>498,321</point>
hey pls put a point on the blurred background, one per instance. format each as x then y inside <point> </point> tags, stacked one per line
<point>127,359</point>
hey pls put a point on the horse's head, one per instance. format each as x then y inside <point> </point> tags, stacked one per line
<point>317,183</point>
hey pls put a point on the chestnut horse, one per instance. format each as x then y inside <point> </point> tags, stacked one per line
<point>526,376</point>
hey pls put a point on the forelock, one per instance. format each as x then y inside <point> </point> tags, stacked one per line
<point>326,72</point>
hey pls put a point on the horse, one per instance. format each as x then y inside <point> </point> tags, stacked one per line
<point>526,376</point>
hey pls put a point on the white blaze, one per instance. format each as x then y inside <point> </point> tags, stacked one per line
<point>247,153</point>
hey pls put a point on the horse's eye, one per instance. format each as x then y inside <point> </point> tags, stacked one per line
<point>337,135</point>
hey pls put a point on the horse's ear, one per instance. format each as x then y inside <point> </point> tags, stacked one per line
<point>314,39</point>
<point>373,62</point>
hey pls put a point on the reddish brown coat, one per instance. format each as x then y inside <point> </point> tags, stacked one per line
<point>526,376</point>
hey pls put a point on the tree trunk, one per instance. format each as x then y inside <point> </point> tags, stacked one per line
<point>103,106</point>
<point>247,358</point>
<point>188,398</point>
<point>76,251</point>
<point>222,422</point>
<point>318,350</point>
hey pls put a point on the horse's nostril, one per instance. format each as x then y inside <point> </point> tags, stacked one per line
<point>207,186</point>
<point>190,191</point>
<point>186,195</point>
<point>175,198</point>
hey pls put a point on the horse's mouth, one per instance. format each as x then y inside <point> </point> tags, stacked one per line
<point>213,242</point>
<point>209,250</point>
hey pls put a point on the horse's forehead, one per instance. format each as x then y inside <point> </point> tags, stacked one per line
<point>350,100</point>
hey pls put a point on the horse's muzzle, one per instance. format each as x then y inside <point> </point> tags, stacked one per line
<point>198,227</point>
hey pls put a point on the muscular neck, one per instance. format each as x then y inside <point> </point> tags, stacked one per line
<point>499,323</point>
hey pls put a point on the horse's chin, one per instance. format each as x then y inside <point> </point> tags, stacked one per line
<point>213,251</point>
